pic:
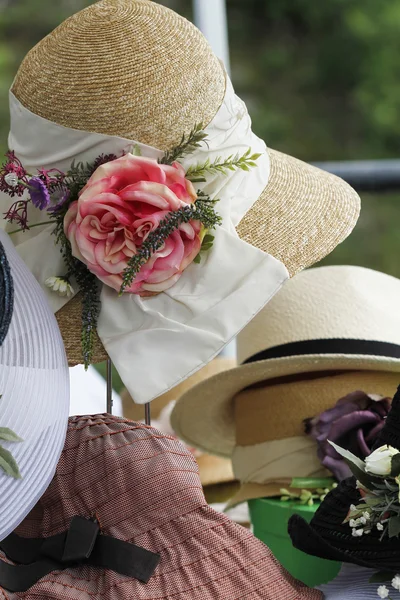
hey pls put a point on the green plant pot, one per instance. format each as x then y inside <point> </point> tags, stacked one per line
<point>270,518</point>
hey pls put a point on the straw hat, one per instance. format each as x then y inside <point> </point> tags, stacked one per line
<point>213,469</point>
<point>328,536</point>
<point>159,539</point>
<point>135,69</point>
<point>327,319</point>
<point>34,390</point>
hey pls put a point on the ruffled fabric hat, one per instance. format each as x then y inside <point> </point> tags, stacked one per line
<point>34,390</point>
<point>125,517</point>
<point>132,75</point>
<point>330,536</point>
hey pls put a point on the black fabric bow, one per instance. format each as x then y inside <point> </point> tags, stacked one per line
<point>81,544</point>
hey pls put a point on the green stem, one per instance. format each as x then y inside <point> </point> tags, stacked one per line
<point>31,227</point>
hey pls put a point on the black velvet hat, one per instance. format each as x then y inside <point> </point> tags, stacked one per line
<point>327,536</point>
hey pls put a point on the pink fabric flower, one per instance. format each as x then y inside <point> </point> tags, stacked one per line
<point>124,201</point>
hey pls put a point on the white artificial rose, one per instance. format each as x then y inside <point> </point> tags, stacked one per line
<point>379,462</point>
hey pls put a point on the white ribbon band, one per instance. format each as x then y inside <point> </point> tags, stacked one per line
<point>157,342</point>
<point>276,460</point>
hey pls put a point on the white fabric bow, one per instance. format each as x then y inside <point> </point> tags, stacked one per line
<point>157,342</point>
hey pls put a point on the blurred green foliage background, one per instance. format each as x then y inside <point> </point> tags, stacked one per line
<point>321,80</point>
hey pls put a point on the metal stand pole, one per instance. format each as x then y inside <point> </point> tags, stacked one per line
<point>109,387</point>
<point>210,18</point>
<point>147,415</point>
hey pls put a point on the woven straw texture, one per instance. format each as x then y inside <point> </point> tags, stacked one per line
<point>128,68</point>
<point>136,69</point>
<point>144,487</point>
<point>326,536</point>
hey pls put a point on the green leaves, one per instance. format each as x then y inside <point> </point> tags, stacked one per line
<point>382,577</point>
<point>7,462</point>
<point>9,436</point>
<point>206,245</point>
<point>357,467</point>
<point>394,526</point>
<point>395,470</point>
<point>312,482</point>
<point>187,145</point>
<point>197,173</point>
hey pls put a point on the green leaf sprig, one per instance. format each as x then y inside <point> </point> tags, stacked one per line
<point>187,145</point>
<point>307,491</point>
<point>7,462</point>
<point>197,173</point>
<point>202,210</point>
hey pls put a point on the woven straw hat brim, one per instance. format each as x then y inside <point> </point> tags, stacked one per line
<point>302,214</point>
<point>214,470</point>
<point>204,417</point>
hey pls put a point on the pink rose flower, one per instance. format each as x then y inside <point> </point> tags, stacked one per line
<point>124,201</point>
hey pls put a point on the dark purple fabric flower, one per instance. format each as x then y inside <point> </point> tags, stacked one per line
<point>39,193</point>
<point>354,424</point>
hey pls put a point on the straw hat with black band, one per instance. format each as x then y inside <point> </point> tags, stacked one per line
<point>134,72</point>
<point>329,332</point>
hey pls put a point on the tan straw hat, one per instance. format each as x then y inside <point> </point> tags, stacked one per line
<point>135,69</point>
<point>213,469</point>
<point>327,319</point>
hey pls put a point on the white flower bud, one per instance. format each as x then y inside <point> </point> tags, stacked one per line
<point>357,532</point>
<point>11,179</point>
<point>396,582</point>
<point>380,461</point>
<point>383,591</point>
<point>60,285</point>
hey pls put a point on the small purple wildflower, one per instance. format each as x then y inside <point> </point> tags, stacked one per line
<point>39,193</point>
<point>59,203</point>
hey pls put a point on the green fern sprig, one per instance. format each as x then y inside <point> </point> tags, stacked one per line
<point>187,145</point>
<point>197,173</point>
<point>89,286</point>
<point>202,210</point>
<point>77,177</point>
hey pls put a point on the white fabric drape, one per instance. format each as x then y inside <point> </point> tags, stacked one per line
<point>157,342</point>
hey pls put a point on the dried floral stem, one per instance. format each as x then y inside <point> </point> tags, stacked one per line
<point>31,227</point>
